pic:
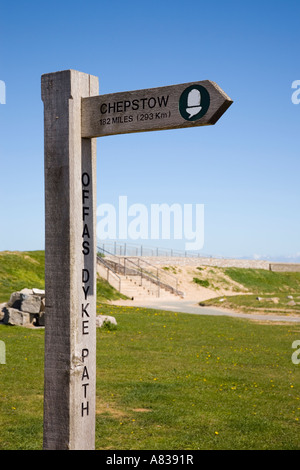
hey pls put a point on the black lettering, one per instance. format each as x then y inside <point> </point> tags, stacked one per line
<point>85,290</point>
<point>119,106</point>
<point>83,310</point>
<point>153,101</point>
<point>85,385</point>
<point>85,232</point>
<point>135,105</point>
<point>85,195</point>
<point>112,107</point>
<point>84,353</point>
<point>85,327</point>
<point>162,100</point>
<point>85,212</point>
<point>85,179</point>
<point>85,374</point>
<point>143,100</point>
<point>103,108</point>
<point>85,408</point>
<point>86,248</point>
<point>85,275</point>
<point>127,105</point>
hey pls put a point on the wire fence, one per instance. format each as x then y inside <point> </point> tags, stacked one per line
<point>130,249</point>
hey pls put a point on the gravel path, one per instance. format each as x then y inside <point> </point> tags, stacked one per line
<point>186,306</point>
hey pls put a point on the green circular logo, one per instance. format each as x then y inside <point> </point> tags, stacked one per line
<point>194,102</point>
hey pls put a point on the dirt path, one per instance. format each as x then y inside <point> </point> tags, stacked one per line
<point>218,285</point>
<point>187,306</point>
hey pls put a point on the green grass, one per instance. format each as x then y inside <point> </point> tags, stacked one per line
<point>19,270</point>
<point>27,269</point>
<point>265,284</point>
<point>167,381</point>
<point>201,282</point>
<point>261,281</point>
<point>249,303</point>
<point>164,380</point>
<point>106,292</point>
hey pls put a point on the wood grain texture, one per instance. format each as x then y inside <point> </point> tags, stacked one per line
<point>67,157</point>
<point>147,110</point>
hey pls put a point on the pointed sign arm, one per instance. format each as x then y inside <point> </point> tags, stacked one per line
<point>152,109</point>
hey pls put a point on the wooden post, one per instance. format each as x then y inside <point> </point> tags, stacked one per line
<point>70,264</point>
<point>74,116</point>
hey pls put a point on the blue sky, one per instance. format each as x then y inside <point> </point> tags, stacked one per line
<point>245,169</point>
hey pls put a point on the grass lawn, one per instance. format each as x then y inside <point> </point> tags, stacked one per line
<point>167,381</point>
<point>266,304</point>
<point>273,289</point>
<point>262,281</point>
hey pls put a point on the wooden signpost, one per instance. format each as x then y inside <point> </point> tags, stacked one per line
<point>74,114</point>
<point>170,107</point>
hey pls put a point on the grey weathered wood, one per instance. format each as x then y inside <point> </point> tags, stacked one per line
<point>122,117</point>
<point>70,372</point>
<point>73,116</point>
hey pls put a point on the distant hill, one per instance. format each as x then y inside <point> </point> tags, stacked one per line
<point>20,269</point>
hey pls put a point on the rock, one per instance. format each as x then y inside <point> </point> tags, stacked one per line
<point>40,321</point>
<point>30,303</point>
<point>221,300</point>
<point>100,319</point>
<point>291,303</point>
<point>39,292</point>
<point>26,291</point>
<point>2,306</point>
<point>24,308</point>
<point>12,316</point>
<point>15,300</point>
<point>42,310</point>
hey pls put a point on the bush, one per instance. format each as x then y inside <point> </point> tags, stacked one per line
<point>201,282</point>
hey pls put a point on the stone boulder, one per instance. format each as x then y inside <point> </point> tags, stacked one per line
<point>24,308</point>
<point>1,311</point>
<point>12,316</point>
<point>15,300</point>
<point>101,319</point>
<point>27,308</point>
<point>30,303</point>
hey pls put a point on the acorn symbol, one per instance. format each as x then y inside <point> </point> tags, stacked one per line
<point>193,103</point>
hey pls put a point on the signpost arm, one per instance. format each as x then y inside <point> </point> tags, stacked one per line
<point>70,264</point>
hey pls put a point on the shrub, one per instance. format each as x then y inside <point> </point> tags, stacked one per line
<point>201,282</point>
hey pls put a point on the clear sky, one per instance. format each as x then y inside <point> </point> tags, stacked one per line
<point>245,169</point>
